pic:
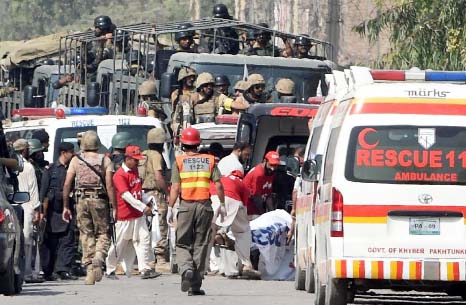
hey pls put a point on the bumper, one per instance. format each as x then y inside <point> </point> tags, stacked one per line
<point>7,241</point>
<point>391,269</point>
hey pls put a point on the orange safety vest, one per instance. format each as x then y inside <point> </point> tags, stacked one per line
<point>195,173</point>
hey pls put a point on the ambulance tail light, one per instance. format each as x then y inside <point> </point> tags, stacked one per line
<point>336,225</point>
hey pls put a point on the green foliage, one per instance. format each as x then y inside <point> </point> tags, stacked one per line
<point>429,34</point>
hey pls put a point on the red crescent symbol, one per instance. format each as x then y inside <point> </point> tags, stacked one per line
<point>362,138</point>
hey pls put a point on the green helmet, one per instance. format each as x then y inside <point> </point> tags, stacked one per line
<point>121,139</point>
<point>90,141</point>
<point>35,146</point>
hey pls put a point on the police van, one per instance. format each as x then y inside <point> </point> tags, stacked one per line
<point>64,127</point>
<point>390,207</point>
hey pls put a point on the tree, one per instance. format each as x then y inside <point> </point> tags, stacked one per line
<point>429,34</point>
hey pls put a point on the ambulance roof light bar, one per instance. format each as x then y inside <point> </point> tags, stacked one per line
<point>50,112</point>
<point>419,75</point>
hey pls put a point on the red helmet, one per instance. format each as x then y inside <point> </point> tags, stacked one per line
<point>190,136</point>
<point>60,113</point>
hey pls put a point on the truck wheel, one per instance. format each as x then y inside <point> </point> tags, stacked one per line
<point>310,285</point>
<point>319,290</point>
<point>336,292</point>
<point>7,279</point>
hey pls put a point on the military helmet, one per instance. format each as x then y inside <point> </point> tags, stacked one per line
<point>148,87</point>
<point>90,141</point>
<point>221,80</point>
<point>220,10</point>
<point>250,34</point>
<point>185,72</point>
<point>121,139</point>
<point>35,146</point>
<point>103,22</point>
<point>302,40</point>
<point>185,32</point>
<point>254,79</point>
<point>47,62</point>
<point>240,85</point>
<point>204,78</point>
<point>258,32</point>
<point>156,136</point>
<point>121,35</point>
<point>285,86</point>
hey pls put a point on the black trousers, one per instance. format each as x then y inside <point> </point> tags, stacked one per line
<point>61,251</point>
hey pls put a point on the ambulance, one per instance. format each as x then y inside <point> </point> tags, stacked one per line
<point>63,126</point>
<point>390,204</point>
<point>304,234</point>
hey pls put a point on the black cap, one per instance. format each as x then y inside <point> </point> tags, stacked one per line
<point>65,146</point>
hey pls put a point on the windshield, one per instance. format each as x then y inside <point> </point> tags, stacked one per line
<point>138,136</point>
<point>407,154</point>
<point>306,79</point>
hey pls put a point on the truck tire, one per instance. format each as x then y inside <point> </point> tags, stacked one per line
<point>7,279</point>
<point>319,290</point>
<point>309,284</point>
<point>336,292</point>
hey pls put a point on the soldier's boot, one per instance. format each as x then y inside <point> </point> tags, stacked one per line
<point>90,277</point>
<point>97,267</point>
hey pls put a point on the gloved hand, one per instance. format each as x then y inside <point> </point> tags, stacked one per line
<point>222,211</point>
<point>170,215</point>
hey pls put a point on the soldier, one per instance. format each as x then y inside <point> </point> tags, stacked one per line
<point>262,45</point>
<point>239,87</point>
<point>185,39</point>
<point>6,91</point>
<point>93,173</point>
<point>229,44</point>
<point>155,184</point>
<point>191,174</point>
<point>221,85</point>
<point>186,80</point>
<point>204,106</point>
<point>103,30</point>
<point>249,41</point>
<point>182,100</point>
<point>60,236</point>
<point>119,142</point>
<point>286,90</point>
<point>253,93</point>
<point>35,156</point>
<point>148,96</point>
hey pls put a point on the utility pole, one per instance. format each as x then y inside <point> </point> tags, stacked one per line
<point>333,29</point>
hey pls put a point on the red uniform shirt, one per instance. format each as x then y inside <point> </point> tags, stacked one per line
<point>127,180</point>
<point>258,184</point>
<point>235,188</point>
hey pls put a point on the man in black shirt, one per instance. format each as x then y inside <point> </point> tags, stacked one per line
<point>59,235</point>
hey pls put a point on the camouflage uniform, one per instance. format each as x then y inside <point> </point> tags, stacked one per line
<point>5,91</point>
<point>268,50</point>
<point>103,50</point>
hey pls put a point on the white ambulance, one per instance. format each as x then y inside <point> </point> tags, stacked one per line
<point>391,197</point>
<point>65,128</point>
<point>305,207</point>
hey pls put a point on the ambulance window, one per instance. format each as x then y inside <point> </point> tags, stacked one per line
<point>316,132</point>
<point>138,133</point>
<point>70,135</point>
<point>407,155</point>
<point>330,156</point>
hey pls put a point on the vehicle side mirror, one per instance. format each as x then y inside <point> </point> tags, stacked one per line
<point>167,84</point>
<point>29,96</point>
<point>93,94</point>
<point>309,171</point>
<point>19,197</point>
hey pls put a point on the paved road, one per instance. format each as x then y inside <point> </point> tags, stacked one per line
<point>165,290</point>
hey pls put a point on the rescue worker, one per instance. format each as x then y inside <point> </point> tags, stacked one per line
<point>221,85</point>
<point>60,236</point>
<point>96,196</point>
<point>155,184</point>
<point>148,96</point>
<point>27,182</point>
<point>259,181</point>
<point>285,88</point>
<point>191,174</point>
<point>185,39</point>
<point>131,223</point>
<point>182,98</point>
<point>204,106</point>
<point>103,47</point>
<point>119,142</point>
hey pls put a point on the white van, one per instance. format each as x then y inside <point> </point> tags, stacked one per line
<point>390,206</point>
<point>106,126</point>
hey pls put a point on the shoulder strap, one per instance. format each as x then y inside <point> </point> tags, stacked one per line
<point>102,180</point>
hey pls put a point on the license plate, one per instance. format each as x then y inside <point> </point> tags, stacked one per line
<point>424,226</point>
